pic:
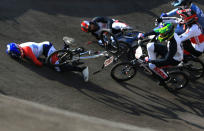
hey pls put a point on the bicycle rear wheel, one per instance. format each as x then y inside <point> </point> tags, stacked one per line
<point>178,80</point>
<point>59,58</point>
<point>195,68</point>
<point>123,72</point>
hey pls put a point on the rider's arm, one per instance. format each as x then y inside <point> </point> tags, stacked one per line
<point>103,20</point>
<point>150,33</point>
<point>29,53</point>
<point>192,32</point>
<point>171,53</point>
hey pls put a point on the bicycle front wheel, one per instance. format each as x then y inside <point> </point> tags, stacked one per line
<point>123,72</point>
<point>59,58</point>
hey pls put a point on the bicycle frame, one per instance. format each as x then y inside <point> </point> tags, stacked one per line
<point>140,63</point>
<point>128,39</point>
<point>81,57</point>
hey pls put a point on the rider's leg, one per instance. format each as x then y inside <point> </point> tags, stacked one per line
<point>153,49</point>
<point>187,45</point>
<point>158,69</point>
<point>118,26</point>
<point>160,72</point>
<point>84,70</point>
<point>68,67</point>
<point>48,49</point>
<point>51,50</point>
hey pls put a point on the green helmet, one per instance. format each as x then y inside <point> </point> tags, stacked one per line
<point>165,31</point>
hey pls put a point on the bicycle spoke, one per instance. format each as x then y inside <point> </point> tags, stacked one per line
<point>123,72</point>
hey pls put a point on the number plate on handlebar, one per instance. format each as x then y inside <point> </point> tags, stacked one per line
<point>108,61</point>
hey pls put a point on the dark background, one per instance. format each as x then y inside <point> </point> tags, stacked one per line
<point>139,102</point>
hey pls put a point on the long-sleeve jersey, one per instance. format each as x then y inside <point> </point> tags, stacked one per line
<point>102,23</point>
<point>174,47</point>
<point>175,51</point>
<point>193,33</point>
<point>33,51</point>
<point>105,20</point>
<point>195,8</point>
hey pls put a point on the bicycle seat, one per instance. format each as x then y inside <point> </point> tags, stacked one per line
<point>68,40</point>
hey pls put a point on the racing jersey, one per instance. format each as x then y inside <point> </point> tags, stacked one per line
<point>175,51</point>
<point>103,20</point>
<point>33,51</point>
<point>195,8</point>
<point>101,23</point>
<point>174,46</point>
<point>193,33</point>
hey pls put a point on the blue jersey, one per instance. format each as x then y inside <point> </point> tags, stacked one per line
<point>195,8</point>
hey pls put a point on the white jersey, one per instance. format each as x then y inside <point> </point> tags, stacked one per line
<point>194,31</point>
<point>37,48</point>
<point>117,25</point>
<point>194,34</point>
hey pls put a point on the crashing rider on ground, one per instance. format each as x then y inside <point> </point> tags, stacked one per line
<point>34,51</point>
<point>97,24</point>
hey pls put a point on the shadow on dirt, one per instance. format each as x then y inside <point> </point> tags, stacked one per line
<point>2,92</point>
<point>160,107</point>
<point>151,105</point>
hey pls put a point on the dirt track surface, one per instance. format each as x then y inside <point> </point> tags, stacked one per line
<point>138,102</point>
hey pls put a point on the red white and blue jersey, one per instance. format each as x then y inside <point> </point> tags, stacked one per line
<point>33,50</point>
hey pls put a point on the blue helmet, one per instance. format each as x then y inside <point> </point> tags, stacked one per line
<point>13,50</point>
<point>182,3</point>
